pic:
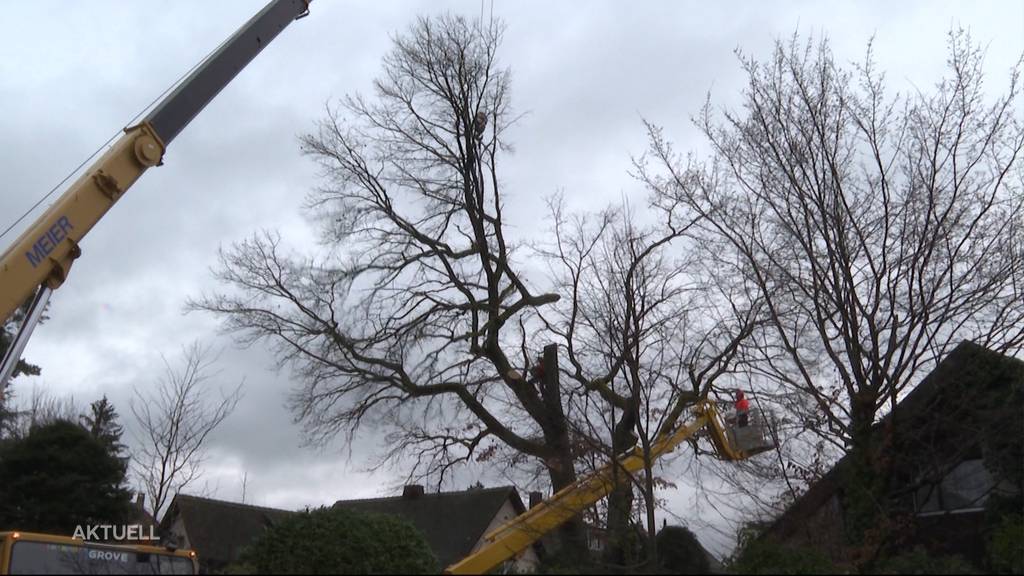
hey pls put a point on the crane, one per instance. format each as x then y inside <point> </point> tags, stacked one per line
<point>508,540</point>
<point>38,262</point>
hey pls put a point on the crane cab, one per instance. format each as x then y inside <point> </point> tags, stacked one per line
<point>28,553</point>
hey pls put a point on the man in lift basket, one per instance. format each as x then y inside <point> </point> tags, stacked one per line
<point>742,409</point>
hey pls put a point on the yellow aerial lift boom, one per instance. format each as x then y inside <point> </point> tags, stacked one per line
<point>39,260</point>
<point>508,540</point>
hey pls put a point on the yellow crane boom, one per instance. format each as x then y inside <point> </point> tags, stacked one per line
<point>39,260</point>
<point>508,540</point>
<point>43,254</point>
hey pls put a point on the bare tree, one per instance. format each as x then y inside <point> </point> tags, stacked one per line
<point>880,231</point>
<point>174,420</point>
<point>417,317</point>
<point>410,320</point>
<point>650,326</point>
<point>42,408</point>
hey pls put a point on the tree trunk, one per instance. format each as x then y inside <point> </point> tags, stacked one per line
<point>864,495</point>
<point>619,548</point>
<point>562,467</point>
<point>572,535</point>
<point>652,527</point>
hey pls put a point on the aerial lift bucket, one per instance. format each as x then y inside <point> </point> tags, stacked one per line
<point>755,437</point>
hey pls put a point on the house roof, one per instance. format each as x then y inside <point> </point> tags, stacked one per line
<point>451,522</point>
<point>140,516</point>
<point>219,530</point>
<point>967,388</point>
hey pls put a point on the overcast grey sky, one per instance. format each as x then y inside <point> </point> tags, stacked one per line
<point>585,72</point>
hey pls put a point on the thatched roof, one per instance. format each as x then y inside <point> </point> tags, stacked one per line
<point>218,531</point>
<point>451,522</point>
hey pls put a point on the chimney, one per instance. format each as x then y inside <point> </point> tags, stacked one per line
<point>140,500</point>
<point>535,498</point>
<point>412,491</point>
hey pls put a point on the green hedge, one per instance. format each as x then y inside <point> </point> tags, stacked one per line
<point>918,561</point>
<point>338,541</point>
<point>767,557</point>
<point>679,552</point>
<point>1006,549</point>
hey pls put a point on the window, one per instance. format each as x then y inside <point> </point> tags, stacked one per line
<point>965,487</point>
<point>927,499</point>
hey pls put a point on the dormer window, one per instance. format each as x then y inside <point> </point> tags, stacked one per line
<point>965,488</point>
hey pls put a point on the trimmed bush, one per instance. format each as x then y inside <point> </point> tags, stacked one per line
<point>766,557</point>
<point>338,541</point>
<point>679,552</point>
<point>918,561</point>
<point>1006,549</point>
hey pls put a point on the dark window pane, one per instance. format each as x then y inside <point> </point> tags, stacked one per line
<point>967,486</point>
<point>927,499</point>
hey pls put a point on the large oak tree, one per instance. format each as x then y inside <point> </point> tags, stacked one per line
<point>880,230</point>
